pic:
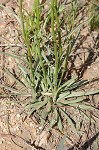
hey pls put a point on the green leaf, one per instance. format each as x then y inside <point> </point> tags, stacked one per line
<point>43,117</point>
<point>52,122</point>
<point>79,94</point>
<point>50,83</point>
<point>78,84</point>
<point>42,121</point>
<point>92,92</point>
<point>66,102</point>
<point>36,105</point>
<point>86,107</point>
<point>58,120</point>
<point>31,111</point>
<point>16,94</point>
<point>78,27</point>
<point>75,101</point>
<point>68,83</point>
<point>45,58</point>
<point>53,118</point>
<point>87,117</point>
<point>82,106</point>
<point>61,144</point>
<point>47,19</point>
<point>24,73</point>
<point>43,85</point>
<point>95,146</point>
<point>70,120</point>
<point>60,127</point>
<point>63,96</point>
<point>61,8</point>
<point>22,68</point>
<point>76,94</point>
<point>13,55</point>
<point>9,88</point>
<point>48,106</point>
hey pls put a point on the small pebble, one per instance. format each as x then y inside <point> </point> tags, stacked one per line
<point>31,125</point>
<point>18,115</point>
<point>40,128</point>
<point>14,129</point>
<point>95,68</point>
<point>1,141</point>
<point>12,104</point>
<point>89,67</point>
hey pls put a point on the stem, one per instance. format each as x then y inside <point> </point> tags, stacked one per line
<point>58,27</point>
<point>55,44</point>
<point>27,43</point>
<point>37,16</point>
<point>69,47</point>
<point>22,20</point>
<point>73,14</point>
<point>65,65</point>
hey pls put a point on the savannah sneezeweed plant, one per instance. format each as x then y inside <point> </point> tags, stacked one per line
<point>46,85</point>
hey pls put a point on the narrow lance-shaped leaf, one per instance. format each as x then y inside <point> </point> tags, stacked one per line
<point>13,55</point>
<point>87,117</point>
<point>61,144</point>
<point>9,88</point>
<point>92,92</point>
<point>71,81</point>
<point>16,94</point>
<point>70,120</point>
<point>76,94</point>
<point>60,127</point>
<point>79,26</point>
<point>31,111</point>
<point>24,73</point>
<point>52,121</point>
<point>63,96</point>
<point>65,102</point>
<point>78,84</point>
<point>86,107</point>
<point>54,115</point>
<point>82,106</point>
<point>43,117</point>
<point>68,83</point>
<point>36,105</point>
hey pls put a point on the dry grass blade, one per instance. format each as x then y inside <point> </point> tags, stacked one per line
<point>13,55</point>
<point>9,88</point>
<point>10,11</point>
<point>13,77</point>
<point>15,94</point>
